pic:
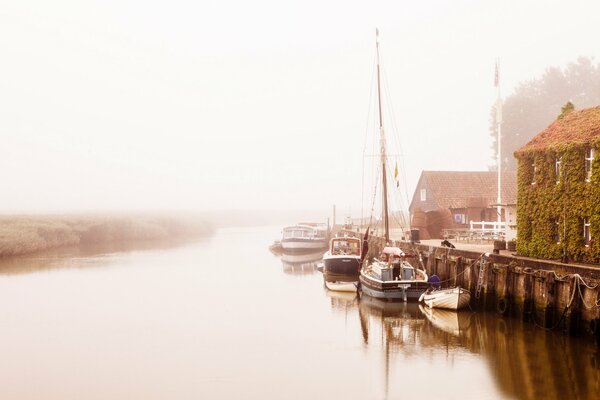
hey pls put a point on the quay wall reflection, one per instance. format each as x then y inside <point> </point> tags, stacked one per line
<point>525,362</point>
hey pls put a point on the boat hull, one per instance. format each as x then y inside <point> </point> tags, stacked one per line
<point>341,268</point>
<point>452,299</point>
<point>392,290</point>
<point>342,286</point>
<point>298,245</point>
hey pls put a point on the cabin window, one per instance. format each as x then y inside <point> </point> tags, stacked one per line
<point>343,247</point>
<point>534,169</point>
<point>423,194</point>
<point>557,168</point>
<point>589,160</point>
<point>587,236</point>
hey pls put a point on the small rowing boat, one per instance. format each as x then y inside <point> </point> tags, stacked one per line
<point>453,298</point>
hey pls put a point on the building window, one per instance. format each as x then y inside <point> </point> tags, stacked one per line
<point>557,169</point>
<point>534,168</point>
<point>555,230</point>
<point>587,236</point>
<point>589,161</point>
<point>423,194</point>
<point>460,218</point>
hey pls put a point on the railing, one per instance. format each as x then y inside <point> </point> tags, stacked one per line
<point>478,230</point>
<point>487,226</point>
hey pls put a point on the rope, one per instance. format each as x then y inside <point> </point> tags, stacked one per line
<point>577,281</point>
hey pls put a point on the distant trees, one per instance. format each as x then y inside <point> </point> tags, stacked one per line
<point>536,103</point>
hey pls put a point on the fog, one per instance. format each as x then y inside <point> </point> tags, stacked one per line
<point>213,105</point>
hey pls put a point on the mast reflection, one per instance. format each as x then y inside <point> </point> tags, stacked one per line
<point>525,362</point>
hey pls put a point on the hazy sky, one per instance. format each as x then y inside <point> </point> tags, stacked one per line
<point>254,104</point>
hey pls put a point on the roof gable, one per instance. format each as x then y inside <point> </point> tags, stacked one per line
<point>582,126</point>
<point>461,189</point>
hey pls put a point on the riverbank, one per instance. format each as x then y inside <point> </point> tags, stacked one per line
<point>27,234</point>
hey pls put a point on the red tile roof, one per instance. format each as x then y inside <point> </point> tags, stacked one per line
<point>454,189</point>
<point>581,126</point>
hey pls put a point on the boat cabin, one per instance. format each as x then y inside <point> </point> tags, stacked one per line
<point>299,232</point>
<point>345,246</point>
<point>397,267</point>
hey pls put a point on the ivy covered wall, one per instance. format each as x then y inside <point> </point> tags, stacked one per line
<point>550,215</point>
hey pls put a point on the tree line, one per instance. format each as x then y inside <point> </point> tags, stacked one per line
<point>534,104</point>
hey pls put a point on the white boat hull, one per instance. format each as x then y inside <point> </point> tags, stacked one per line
<point>453,299</point>
<point>341,286</point>
<point>299,245</point>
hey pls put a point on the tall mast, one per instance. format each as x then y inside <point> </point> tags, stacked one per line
<point>499,152</point>
<point>382,144</point>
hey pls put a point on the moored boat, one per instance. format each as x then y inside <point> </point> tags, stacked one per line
<point>342,263</point>
<point>393,277</point>
<point>304,237</point>
<point>341,286</point>
<point>453,298</point>
<point>275,247</point>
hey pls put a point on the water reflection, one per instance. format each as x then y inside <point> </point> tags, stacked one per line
<point>83,256</point>
<point>301,263</point>
<point>452,322</point>
<point>525,362</point>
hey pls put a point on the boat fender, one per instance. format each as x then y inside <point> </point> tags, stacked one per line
<point>502,305</point>
<point>434,281</point>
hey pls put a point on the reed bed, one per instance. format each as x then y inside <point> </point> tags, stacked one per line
<point>34,233</point>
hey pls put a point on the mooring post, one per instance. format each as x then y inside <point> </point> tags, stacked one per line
<point>501,297</point>
<point>573,314</point>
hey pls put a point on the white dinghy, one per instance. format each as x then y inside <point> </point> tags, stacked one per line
<point>453,298</point>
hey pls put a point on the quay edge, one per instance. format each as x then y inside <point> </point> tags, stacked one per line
<point>547,293</point>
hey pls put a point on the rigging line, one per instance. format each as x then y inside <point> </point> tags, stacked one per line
<point>395,132</point>
<point>373,201</point>
<point>362,198</point>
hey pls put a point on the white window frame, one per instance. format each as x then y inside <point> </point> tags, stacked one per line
<point>423,194</point>
<point>533,181</point>
<point>589,164</point>
<point>558,169</point>
<point>587,233</point>
<point>557,230</point>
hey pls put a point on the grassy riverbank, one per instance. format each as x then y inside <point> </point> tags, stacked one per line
<point>26,234</point>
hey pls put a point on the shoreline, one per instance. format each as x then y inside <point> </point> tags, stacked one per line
<point>30,234</point>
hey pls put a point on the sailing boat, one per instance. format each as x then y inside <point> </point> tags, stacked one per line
<point>391,276</point>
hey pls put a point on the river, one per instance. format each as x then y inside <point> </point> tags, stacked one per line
<point>223,318</point>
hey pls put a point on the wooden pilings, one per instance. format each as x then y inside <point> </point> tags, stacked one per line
<point>546,293</point>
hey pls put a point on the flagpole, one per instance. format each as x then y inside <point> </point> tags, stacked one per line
<point>499,152</point>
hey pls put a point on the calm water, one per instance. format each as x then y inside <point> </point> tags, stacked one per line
<point>224,318</point>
